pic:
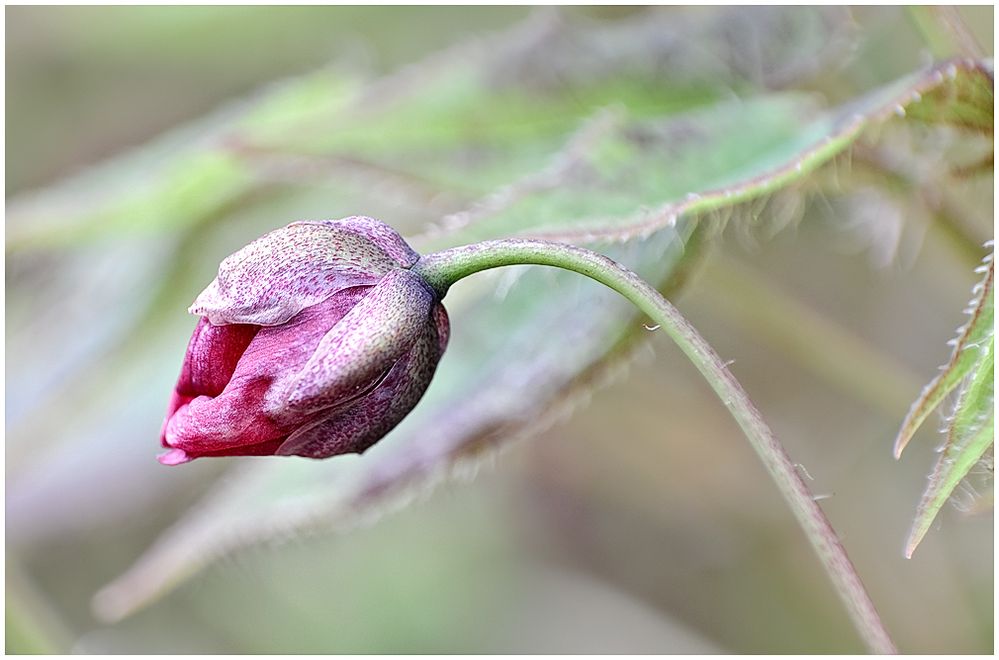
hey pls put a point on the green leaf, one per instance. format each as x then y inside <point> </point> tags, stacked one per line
<point>963,360</point>
<point>185,178</point>
<point>966,102</point>
<point>628,177</point>
<point>971,428</point>
<point>971,434</point>
<point>462,121</point>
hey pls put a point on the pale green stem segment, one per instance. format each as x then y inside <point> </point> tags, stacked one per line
<point>443,269</point>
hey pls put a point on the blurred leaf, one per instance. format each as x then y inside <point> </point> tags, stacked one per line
<point>971,427</point>
<point>959,93</point>
<point>965,358</point>
<point>465,118</point>
<point>181,179</point>
<point>492,386</point>
<point>628,178</point>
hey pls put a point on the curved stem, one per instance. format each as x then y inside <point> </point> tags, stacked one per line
<point>442,269</point>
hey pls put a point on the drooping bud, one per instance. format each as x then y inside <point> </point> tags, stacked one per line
<point>315,340</point>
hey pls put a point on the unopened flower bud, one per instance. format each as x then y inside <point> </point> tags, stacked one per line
<point>315,340</point>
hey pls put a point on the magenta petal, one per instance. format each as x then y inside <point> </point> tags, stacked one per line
<point>174,457</point>
<point>209,363</point>
<point>233,419</point>
<point>211,357</point>
<point>265,448</point>
<point>280,274</point>
<point>241,417</point>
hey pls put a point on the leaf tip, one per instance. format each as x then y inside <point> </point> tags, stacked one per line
<point>915,538</point>
<point>902,439</point>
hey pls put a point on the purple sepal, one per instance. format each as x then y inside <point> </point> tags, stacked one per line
<point>283,272</point>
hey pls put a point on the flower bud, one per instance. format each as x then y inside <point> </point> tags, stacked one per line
<point>315,340</point>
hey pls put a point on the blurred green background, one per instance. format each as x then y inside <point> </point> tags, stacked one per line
<point>642,522</point>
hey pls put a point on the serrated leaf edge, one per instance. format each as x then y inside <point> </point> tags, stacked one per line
<point>959,456</point>
<point>953,372</point>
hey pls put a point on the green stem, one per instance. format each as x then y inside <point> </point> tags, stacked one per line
<point>443,269</point>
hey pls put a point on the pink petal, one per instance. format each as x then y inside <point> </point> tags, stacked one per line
<point>244,415</point>
<point>209,363</point>
<point>233,419</point>
<point>174,457</point>
<point>211,357</point>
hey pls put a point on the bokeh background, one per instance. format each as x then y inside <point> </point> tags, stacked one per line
<point>639,522</point>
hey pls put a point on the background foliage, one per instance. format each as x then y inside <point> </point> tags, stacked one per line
<point>693,145</point>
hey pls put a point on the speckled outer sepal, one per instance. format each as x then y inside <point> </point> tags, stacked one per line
<point>283,272</point>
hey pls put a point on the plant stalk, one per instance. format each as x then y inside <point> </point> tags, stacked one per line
<point>442,269</point>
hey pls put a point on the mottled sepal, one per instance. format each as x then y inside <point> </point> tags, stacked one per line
<point>283,272</point>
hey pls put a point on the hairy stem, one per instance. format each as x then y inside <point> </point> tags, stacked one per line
<point>443,269</point>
